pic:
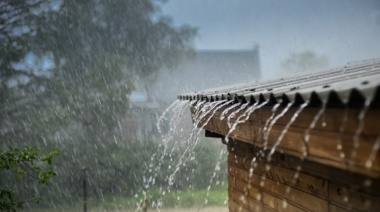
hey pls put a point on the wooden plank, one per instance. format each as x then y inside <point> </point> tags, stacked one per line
<point>267,209</point>
<point>241,176</point>
<point>331,120</point>
<point>293,195</point>
<point>335,208</point>
<point>309,184</point>
<point>233,206</point>
<point>326,146</point>
<point>246,202</point>
<point>242,156</point>
<point>272,200</point>
<point>231,181</point>
<point>278,204</point>
<point>266,202</point>
<point>324,137</point>
<point>322,146</point>
<point>353,199</point>
<point>242,173</point>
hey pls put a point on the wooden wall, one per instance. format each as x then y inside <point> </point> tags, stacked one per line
<point>330,178</point>
<point>325,137</point>
<point>278,186</point>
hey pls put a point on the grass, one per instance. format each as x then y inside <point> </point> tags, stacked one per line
<point>190,198</point>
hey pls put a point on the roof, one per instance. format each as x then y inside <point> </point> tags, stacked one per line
<point>350,85</point>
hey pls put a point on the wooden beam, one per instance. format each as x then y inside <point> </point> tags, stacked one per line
<point>332,141</point>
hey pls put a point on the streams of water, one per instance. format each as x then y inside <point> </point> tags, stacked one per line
<point>162,117</point>
<point>234,113</point>
<point>372,155</point>
<point>306,136</point>
<point>172,115</point>
<point>341,134</point>
<point>285,130</point>
<point>305,151</point>
<point>214,174</point>
<point>359,130</point>
<point>243,118</point>
<point>225,112</point>
<point>273,122</point>
<point>237,114</point>
<point>194,135</point>
<point>202,113</point>
<point>265,129</point>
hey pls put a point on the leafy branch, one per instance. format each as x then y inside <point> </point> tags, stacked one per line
<point>26,162</point>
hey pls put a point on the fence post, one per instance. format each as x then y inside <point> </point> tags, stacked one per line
<point>84,189</point>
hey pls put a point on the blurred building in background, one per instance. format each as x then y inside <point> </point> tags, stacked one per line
<point>207,69</point>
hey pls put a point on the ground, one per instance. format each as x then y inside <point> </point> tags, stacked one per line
<point>206,209</point>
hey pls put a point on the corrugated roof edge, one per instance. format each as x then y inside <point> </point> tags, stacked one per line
<point>350,85</point>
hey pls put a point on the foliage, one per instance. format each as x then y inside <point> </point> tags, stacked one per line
<point>25,162</point>
<point>84,33</point>
<point>122,176</point>
<point>190,198</point>
<point>304,61</point>
<point>17,26</point>
<point>80,105</point>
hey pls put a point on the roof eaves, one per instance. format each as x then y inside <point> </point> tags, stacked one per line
<point>344,86</point>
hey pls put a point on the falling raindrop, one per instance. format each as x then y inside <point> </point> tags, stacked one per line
<point>225,112</point>
<point>372,155</point>
<point>285,130</point>
<point>284,204</point>
<point>265,128</point>
<point>258,197</point>
<point>359,130</point>
<point>311,127</point>
<point>345,198</point>
<point>162,117</point>
<point>367,182</point>
<point>243,118</point>
<point>233,114</point>
<point>216,170</point>
<point>273,122</point>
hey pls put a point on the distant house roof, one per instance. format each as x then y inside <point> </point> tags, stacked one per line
<point>208,69</point>
<point>348,85</point>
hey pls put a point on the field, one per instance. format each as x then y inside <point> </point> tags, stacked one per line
<point>182,201</point>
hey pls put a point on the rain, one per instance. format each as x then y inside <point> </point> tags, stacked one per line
<point>155,105</point>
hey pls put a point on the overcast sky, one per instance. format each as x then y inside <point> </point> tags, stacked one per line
<point>343,30</point>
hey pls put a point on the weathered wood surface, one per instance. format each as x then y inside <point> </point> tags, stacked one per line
<point>337,134</point>
<point>273,185</point>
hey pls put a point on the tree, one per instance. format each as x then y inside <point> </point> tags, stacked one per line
<point>78,104</point>
<point>103,45</point>
<point>17,165</point>
<point>304,61</point>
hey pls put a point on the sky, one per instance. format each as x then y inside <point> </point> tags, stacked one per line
<point>343,30</point>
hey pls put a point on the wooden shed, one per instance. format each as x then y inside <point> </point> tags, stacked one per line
<point>307,143</point>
